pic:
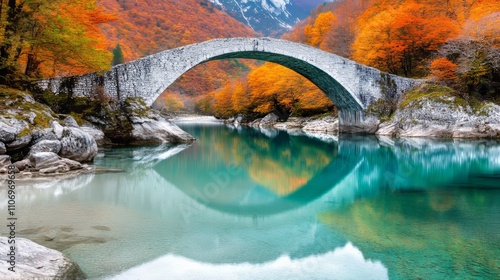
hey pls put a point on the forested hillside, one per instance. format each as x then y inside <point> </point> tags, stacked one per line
<point>453,42</point>
<point>146,27</point>
<point>48,38</point>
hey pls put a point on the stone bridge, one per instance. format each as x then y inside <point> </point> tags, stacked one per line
<point>351,86</point>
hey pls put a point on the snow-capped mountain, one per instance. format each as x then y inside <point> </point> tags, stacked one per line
<point>269,17</point>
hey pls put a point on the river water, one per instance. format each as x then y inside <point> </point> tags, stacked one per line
<point>263,204</point>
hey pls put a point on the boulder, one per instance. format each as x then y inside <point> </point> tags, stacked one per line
<point>77,145</point>
<point>48,162</point>
<point>241,119</point>
<point>23,164</point>
<point>58,129</point>
<point>19,143</point>
<point>71,164</point>
<point>159,132</point>
<point>7,133</point>
<point>43,159</point>
<point>12,127</point>
<point>328,124</point>
<point>46,146</point>
<point>388,128</point>
<point>269,120</point>
<point>70,121</point>
<point>37,262</point>
<point>97,134</point>
<point>3,149</point>
<point>4,161</point>
<point>40,135</point>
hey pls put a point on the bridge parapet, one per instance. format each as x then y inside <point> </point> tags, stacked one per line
<point>351,86</point>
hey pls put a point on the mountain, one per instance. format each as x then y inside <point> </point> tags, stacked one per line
<point>269,17</point>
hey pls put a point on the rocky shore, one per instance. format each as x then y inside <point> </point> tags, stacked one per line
<point>38,142</point>
<point>428,111</point>
<point>442,115</point>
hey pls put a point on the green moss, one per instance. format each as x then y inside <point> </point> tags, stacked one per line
<point>481,109</point>
<point>382,108</point>
<point>24,132</point>
<point>132,108</point>
<point>434,92</point>
<point>78,118</point>
<point>21,108</point>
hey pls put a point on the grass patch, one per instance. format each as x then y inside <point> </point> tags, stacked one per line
<point>438,93</point>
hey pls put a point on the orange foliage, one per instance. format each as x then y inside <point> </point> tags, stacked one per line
<point>443,70</point>
<point>145,27</point>
<point>268,88</point>
<point>48,38</point>
<point>399,40</point>
<point>315,34</point>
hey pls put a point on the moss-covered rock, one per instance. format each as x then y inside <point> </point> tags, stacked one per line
<point>432,110</point>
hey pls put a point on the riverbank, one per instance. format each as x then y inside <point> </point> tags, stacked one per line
<point>427,111</point>
<point>39,142</point>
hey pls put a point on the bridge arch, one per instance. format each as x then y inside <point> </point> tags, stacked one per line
<point>351,86</point>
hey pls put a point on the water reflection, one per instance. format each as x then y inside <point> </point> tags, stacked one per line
<point>246,172</point>
<point>380,207</point>
<point>439,234</point>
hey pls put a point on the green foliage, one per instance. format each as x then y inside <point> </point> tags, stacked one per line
<point>382,109</point>
<point>118,57</point>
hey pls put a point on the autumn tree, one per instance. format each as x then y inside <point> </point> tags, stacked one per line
<point>344,29</point>
<point>223,103</point>
<point>40,38</point>
<point>401,39</point>
<point>171,103</point>
<point>240,98</point>
<point>274,88</point>
<point>443,70</point>
<point>315,34</point>
<point>476,52</point>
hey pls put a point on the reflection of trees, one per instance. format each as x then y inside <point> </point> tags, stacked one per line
<point>432,234</point>
<point>282,164</point>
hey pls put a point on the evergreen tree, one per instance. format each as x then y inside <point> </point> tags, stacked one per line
<point>118,55</point>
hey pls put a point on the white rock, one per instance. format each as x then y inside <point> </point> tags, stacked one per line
<point>77,145</point>
<point>322,125</point>
<point>4,161</point>
<point>34,261</point>
<point>159,132</point>
<point>97,134</point>
<point>58,129</point>
<point>269,120</point>
<point>70,121</point>
<point>43,160</point>
<point>46,146</point>
<point>19,143</point>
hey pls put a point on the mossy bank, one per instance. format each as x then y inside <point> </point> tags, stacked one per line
<point>71,129</point>
<point>433,110</point>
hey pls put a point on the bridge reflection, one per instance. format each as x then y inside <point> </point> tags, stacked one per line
<point>245,172</point>
<point>360,189</point>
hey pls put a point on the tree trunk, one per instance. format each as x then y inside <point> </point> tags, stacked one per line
<point>11,28</point>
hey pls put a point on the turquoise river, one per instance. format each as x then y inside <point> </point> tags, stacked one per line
<point>241,203</point>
